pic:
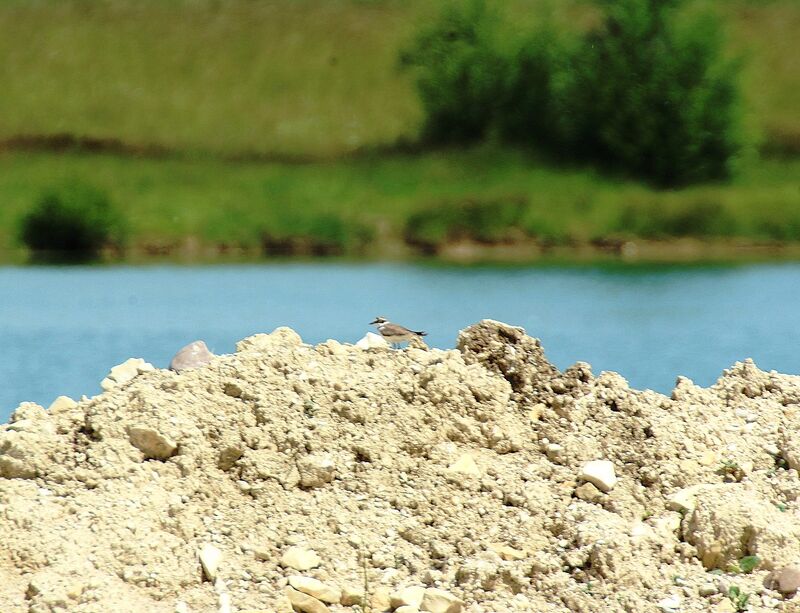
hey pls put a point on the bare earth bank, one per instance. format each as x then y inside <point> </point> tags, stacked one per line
<point>481,479</point>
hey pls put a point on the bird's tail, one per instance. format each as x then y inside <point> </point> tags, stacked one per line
<point>421,333</point>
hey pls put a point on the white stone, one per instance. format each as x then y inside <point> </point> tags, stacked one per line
<point>151,443</point>
<point>439,601</point>
<point>122,373</point>
<point>316,588</point>
<point>210,558</point>
<point>372,341</point>
<point>465,464</point>
<point>670,604</point>
<point>62,403</point>
<point>684,500</point>
<point>352,595</point>
<point>316,470</point>
<point>408,596</point>
<point>406,609</point>
<point>304,603</point>
<point>600,473</point>
<point>300,558</point>
<point>789,579</point>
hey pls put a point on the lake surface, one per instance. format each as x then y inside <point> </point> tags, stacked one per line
<point>62,328</point>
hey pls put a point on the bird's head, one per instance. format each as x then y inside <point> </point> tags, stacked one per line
<point>378,320</point>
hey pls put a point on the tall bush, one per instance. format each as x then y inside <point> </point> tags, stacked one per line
<point>460,68</point>
<point>74,219</point>
<point>648,93</point>
<point>653,94</point>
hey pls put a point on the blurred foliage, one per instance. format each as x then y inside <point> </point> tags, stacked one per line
<point>74,219</point>
<point>460,71</point>
<point>217,203</point>
<point>317,234</point>
<point>649,92</point>
<point>490,221</point>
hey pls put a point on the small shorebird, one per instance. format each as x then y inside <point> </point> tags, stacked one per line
<point>395,333</point>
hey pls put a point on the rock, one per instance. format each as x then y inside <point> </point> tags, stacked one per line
<point>708,458</point>
<point>277,341</point>
<point>193,355</point>
<point>60,404</point>
<point>232,389</point>
<point>122,373</point>
<point>465,464</point>
<point>599,473</point>
<point>28,411</point>
<point>151,442</point>
<point>707,589</point>
<point>352,595</point>
<point>732,520</point>
<point>300,558</point>
<point>304,603</point>
<point>315,470</point>
<point>509,352</point>
<point>670,604</point>
<point>228,456</point>
<point>440,601</point>
<point>724,606</point>
<point>315,588</point>
<point>408,596</point>
<point>372,341</point>
<point>588,492</point>
<point>791,452</point>
<point>380,600</point>
<point>684,500</point>
<point>788,579</point>
<point>406,609</point>
<point>210,558</point>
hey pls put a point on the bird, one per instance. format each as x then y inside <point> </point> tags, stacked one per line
<point>395,333</point>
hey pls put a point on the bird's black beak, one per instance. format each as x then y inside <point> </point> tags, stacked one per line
<point>373,322</point>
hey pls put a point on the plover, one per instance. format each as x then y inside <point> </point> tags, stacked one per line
<point>395,333</point>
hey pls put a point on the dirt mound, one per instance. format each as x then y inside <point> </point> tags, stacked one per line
<point>335,478</point>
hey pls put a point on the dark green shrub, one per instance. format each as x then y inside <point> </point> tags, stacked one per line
<point>487,221</point>
<point>75,219</point>
<point>648,93</point>
<point>653,95</point>
<point>537,108</point>
<point>460,69</point>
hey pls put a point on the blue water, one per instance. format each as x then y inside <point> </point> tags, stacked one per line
<point>62,328</point>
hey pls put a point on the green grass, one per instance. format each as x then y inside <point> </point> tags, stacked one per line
<point>285,77</point>
<point>234,203</point>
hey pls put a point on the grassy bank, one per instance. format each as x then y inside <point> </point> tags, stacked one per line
<point>365,205</point>
<point>304,77</point>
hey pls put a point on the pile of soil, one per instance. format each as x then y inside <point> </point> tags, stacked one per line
<point>478,479</point>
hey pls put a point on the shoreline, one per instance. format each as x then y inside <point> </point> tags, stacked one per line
<point>632,252</point>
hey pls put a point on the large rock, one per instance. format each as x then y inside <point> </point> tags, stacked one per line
<point>507,350</point>
<point>193,355</point>
<point>440,601</point>
<point>600,473</point>
<point>300,558</point>
<point>316,588</point>
<point>731,521</point>
<point>152,443</point>
<point>122,373</point>
<point>304,603</point>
